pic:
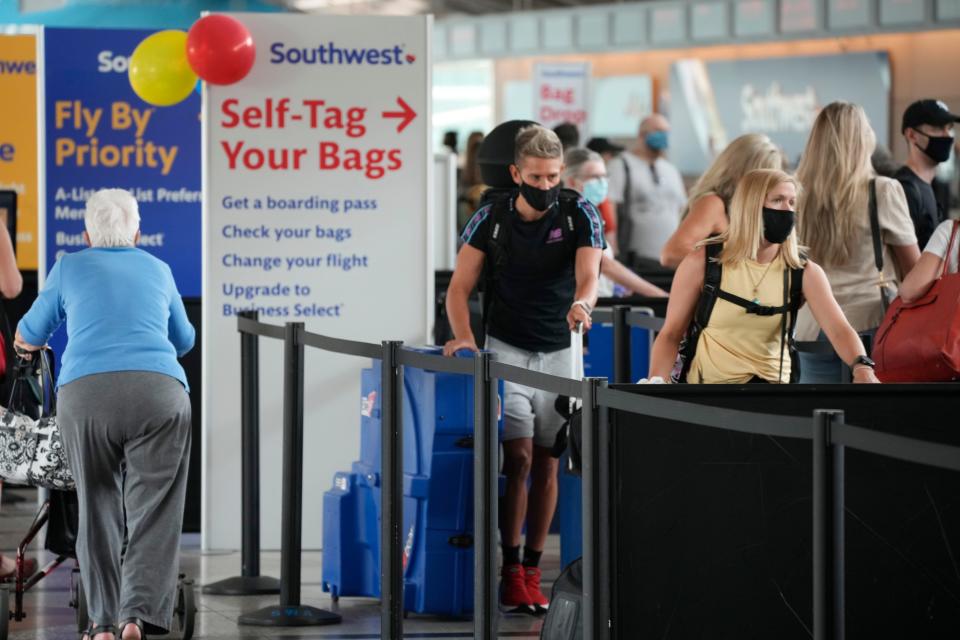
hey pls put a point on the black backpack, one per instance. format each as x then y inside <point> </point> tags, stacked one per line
<point>498,236</point>
<point>564,620</point>
<point>713,271</point>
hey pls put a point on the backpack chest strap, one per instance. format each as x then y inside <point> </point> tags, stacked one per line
<point>750,306</point>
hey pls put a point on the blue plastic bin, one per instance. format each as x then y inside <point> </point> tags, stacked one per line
<point>598,355</point>
<point>438,497</point>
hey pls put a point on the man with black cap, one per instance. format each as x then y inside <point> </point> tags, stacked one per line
<point>928,128</point>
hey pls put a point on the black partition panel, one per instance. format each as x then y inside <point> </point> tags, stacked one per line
<point>191,366</point>
<point>712,529</point>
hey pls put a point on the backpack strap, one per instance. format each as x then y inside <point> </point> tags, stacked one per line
<point>569,207</point>
<point>497,254</point>
<point>712,274</point>
<point>875,228</point>
<point>796,301</point>
<point>624,221</point>
<point>752,307</point>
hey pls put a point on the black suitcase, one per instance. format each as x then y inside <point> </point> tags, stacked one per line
<point>563,620</point>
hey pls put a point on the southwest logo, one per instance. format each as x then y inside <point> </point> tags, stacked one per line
<point>331,54</point>
<point>18,67</point>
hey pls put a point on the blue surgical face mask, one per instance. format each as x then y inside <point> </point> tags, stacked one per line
<point>657,140</point>
<point>595,191</point>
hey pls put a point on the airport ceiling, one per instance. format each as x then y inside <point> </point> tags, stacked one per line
<point>440,8</point>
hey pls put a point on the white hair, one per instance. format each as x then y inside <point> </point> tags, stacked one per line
<point>112,218</point>
<point>575,159</point>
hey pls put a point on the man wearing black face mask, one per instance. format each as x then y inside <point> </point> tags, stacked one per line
<point>928,129</point>
<point>541,248</point>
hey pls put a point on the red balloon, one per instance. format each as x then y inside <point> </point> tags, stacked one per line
<point>220,49</point>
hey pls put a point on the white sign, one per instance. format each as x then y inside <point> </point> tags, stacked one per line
<point>317,209</point>
<point>561,94</point>
<point>619,104</point>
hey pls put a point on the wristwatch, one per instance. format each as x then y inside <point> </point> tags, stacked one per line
<point>864,360</point>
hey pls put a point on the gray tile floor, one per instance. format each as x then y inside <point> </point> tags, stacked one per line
<point>49,616</point>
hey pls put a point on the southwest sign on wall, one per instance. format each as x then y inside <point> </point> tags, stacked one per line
<point>316,184</point>
<point>711,103</point>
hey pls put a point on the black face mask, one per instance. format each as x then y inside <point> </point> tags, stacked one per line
<point>539,199</point>
<point>777,224</point>
<point>938,147</point>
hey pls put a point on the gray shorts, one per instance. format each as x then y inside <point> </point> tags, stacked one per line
<point>530,413</point>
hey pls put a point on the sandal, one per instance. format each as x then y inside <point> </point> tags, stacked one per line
<point>137,622</point>
<point>94,629</point>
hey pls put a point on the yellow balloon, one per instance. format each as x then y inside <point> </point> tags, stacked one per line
<point>159,72</point>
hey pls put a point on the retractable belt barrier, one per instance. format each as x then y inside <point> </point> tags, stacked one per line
<point>826,429</point>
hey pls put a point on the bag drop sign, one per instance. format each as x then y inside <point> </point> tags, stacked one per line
<point>316,210</point>
<point>561,94</point>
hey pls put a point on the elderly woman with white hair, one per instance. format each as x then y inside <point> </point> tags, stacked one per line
<point>585,172</point>
<point>122,400</point>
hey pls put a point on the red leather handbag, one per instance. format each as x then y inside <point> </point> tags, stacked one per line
<point>920,341</point>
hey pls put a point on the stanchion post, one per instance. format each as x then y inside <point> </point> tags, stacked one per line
<point>828,529</point>
<point>596,616</point>
<point>250,450</point>
<point>603,617</point>
<point>621,345</point>
<point>249,582</point>
<point>486,450</point>
<point>291,528</point>
<point>391,500</point>
<point>291,613</point>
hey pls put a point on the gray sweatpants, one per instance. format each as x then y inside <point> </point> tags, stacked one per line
<point>143,419</point>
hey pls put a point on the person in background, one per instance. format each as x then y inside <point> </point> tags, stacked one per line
<point>608,151</point>
<point>928,128</point>
<point>585,172</point>
<point>649,195</point>
<point>450,141</point>
<point>470,184</point>
<point>11,284</point>
<point>928,268</point>
<point>705,215</point>
<point>834,214</point>
<point>124,414</point>
<point>544,287</point>
<point>569,135</point>
<point>738,346</point>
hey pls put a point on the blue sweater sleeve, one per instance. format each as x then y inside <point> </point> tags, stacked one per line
<point>46,313</point>
<point>179,330</point>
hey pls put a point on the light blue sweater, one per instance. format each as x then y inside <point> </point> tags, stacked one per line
<point>123,313</point>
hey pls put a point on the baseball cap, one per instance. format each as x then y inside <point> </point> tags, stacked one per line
<point>927,111</point>
<point>602,145</point>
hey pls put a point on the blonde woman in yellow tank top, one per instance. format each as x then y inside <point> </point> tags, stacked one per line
<point>738,347</point>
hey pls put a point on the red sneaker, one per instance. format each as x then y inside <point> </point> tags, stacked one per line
<point>513,588</point>
<point>532,580</point>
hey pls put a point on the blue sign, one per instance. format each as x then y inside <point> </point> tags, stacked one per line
<point>99,134</point>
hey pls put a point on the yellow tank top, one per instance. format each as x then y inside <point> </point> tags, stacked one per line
<point>736,346</point>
